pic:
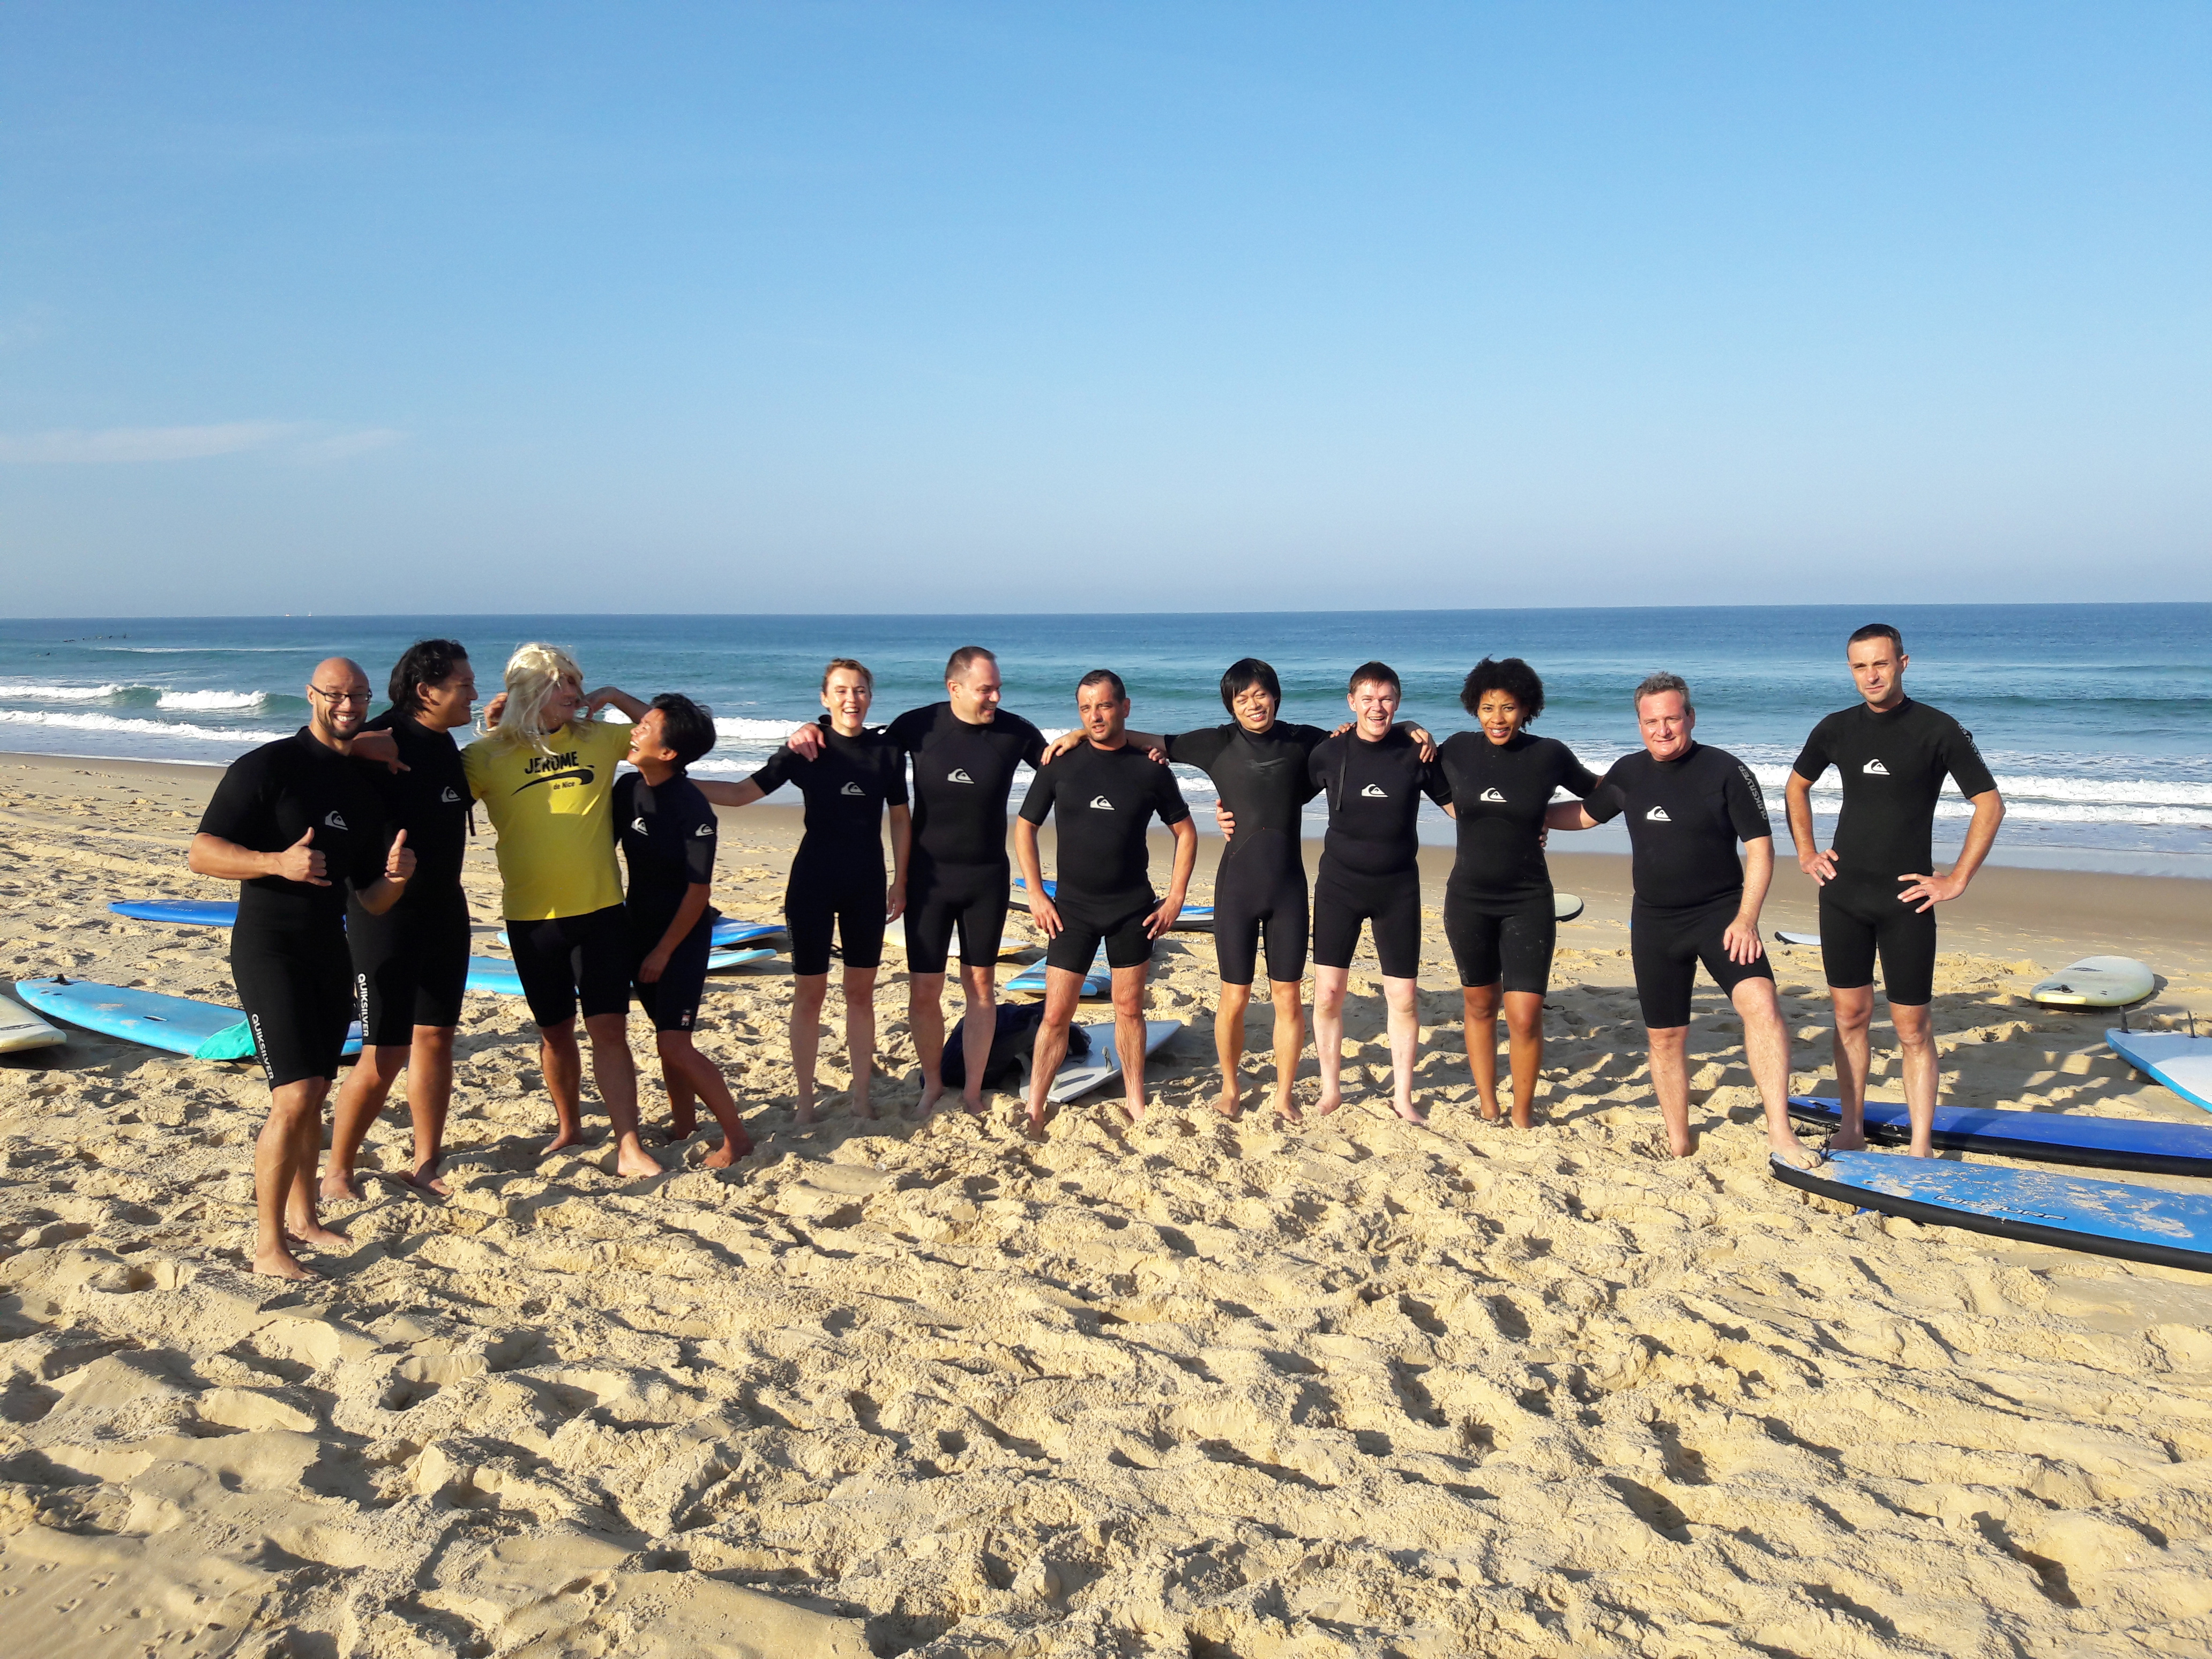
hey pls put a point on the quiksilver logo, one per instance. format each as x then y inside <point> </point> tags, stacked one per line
<point>1657,815</point>
<point>1492,794</point>
<point>853,789</point>
<point>1100,804</point>
<point>958,774</point>
<point>1374,792</point>
<point>702,832</point>
<point>637,827</point>
<point>1874,769</point>
<point>449,796</point>
<point>332,821</point>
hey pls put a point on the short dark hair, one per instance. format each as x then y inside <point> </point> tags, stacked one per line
<point>1377,673</point>
<point>1876,631</point>
<point>965,659</point>
<point>1245,673</point>
<point>686,726</point>
<point>426,662</point>
<point>1103,676</point>
<point>1509,675</point>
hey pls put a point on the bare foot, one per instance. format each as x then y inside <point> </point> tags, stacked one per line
<point>1838,1143</point>
<point>336,1185</point>
<point>684,1123</point>
<point>1229,1104</point>
<point>424,1178</point>
<point>1033,1126</point>
<point>281,1263</point>
<point>863,1110</point>
<point>1489,1111</point>
<point>1788,1149</point>
<point>562,1143</point>
<point>1329,1101</point>
<point>974,1108</point>
<point>632,1159</point>
<point>1524,1117</point>
<point>1287,1110</point>
<point>316,1234</point>
<point>1411,1114</point>
<point>1134,1113</point>
<point>1688,1146</point>
<point>804,1113</point>
<point>723,1156</point>
<point>931,1094</point>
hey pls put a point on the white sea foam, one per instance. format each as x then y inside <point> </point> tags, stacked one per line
<point>187,729</point>
<point>40,691</point>
<point>211,699</point>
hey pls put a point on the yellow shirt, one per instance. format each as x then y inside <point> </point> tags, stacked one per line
<point>557,838</point>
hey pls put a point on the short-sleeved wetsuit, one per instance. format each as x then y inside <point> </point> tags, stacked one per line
<point>413,960</point>
<point>1260,890</point>
<point>1369,862</point>
<point>1499,913</point>
<point>957,875</point>
<point>668,835</point>
<point>563,890</point>
<point>1684,818</point>
<point>289,960</point>
<point>1894,765</point>
<point>837,887</point>
<point>1101,802</point>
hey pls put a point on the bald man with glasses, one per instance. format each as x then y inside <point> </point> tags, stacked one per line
<point>297,823</point>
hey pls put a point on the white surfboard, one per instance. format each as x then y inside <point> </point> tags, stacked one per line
<point>1784,936</point>
<point>1566,907</point>
<point>21,1029</point>
<point>2096,982</point>
<point>2183,1064</point>
<point>1079,1077</point>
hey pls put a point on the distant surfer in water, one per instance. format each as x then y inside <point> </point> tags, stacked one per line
<point>1102,798</point>
<point>413,960</point>
<point>298,824</point>
<point>837,890</point>
<point>965,750</point>
<point>1879,890</point>
<point>1696,901</point>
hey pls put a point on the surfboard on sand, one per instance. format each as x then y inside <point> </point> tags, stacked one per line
<point>1566,907</point>
<point>179,1025</point>
<point>496,975</point>
<point>2040,1206</point>
<point>728,932</point>
<point>184,913</point>
<point>1783,936</point>
<point>1197,917</point>
<point>21,1028</point>
<point>1080,1076</point>
<point>2102,1143</point>
<point>1099,982</point>
<point>2096,982</point>
<point>2183,1064</point>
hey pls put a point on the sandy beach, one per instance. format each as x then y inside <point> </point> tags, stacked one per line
<point>1194,1387</point>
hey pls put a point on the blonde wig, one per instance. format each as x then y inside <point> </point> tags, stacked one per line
<point>533,673</point>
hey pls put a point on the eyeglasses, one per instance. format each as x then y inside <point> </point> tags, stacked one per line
<point>340,696</point>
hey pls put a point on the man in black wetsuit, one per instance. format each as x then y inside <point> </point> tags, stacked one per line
<point>413,960</point>
<point>1687,807</point>
<point>1102,796</point>
<point>1375,777</point>
<point>965,751</point>
<point>1893,754</point>
<point>297,824</point>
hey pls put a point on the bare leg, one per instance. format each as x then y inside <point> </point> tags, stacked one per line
<point>1916,1039</point>
<point>1405,1026</point>
<point>1854,1012</point>
<point>294,1128</point>
<point>925,1018</point>
<point>1524,1025</point>
<point>808,992</point>
<point>1063,989</point>
<point>861,1035</point>
<point>361,1098</point>
<point>1329,984</point>
<point>683,1106</point>
<point>1228,1044</point>
<point>1670,1082</point>
<point>1290,1043</point>
<point>1479,1006</point>
<point>1766,1051</point>
<point>679,1057</point>
<point>429,1095</point>
<point>980,986</point>
<point>616,1072</point>
<point>1129,1036</point>
<point>562,1062</point>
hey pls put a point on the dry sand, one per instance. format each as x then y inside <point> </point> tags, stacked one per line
<point>1195,1388</point>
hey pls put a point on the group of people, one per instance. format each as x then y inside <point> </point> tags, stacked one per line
<point>348,839</point>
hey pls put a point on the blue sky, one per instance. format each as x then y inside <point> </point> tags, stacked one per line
<point>832,307</point>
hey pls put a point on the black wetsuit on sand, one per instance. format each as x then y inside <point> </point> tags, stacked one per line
<point>288,958</point>
<point>1259,889</point>
<point>838,887</point>
<point>1369,869</point>
<point>1684,818</point>
<point>1102,801</point>
<point>1894,765</point>
<point>958,875</point>
<point>668,835</point>
<point>413,960</point>
<point>1498,911</point>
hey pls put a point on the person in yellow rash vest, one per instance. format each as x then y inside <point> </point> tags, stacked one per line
<point>545,772</point>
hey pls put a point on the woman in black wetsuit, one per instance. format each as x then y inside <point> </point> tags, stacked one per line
<point>837,884</point>
<point>1499,909</point>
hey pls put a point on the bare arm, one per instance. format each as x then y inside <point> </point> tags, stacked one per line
<point>901,846</point>
<point>1797,795</point>
<point>1981,835</point>
<point>730,794</point>
<point>687,917</point>
<point>1042,910</point>
<point>633,707</point>
<point>226,860</point>
<point>1186,860</point>
<point>1742,939</point>
<point>1568,815</point>
<point>387,888</point>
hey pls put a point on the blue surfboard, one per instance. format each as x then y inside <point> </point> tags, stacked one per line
<point>1194,916</point>
<point>731,932</point>
<point>2102,1143</point>
<point>1096,983</point>
<point>185,913</point>
<point>178,1025</point>
<point>496,975</point>
<point>2073,1213</point>
<point>2183,1064</point>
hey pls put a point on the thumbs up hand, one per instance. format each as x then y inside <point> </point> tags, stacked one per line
<point>399,862</point>
<point>301,862</point>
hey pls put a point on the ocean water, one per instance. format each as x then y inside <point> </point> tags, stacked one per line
<point>2097,719</point>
